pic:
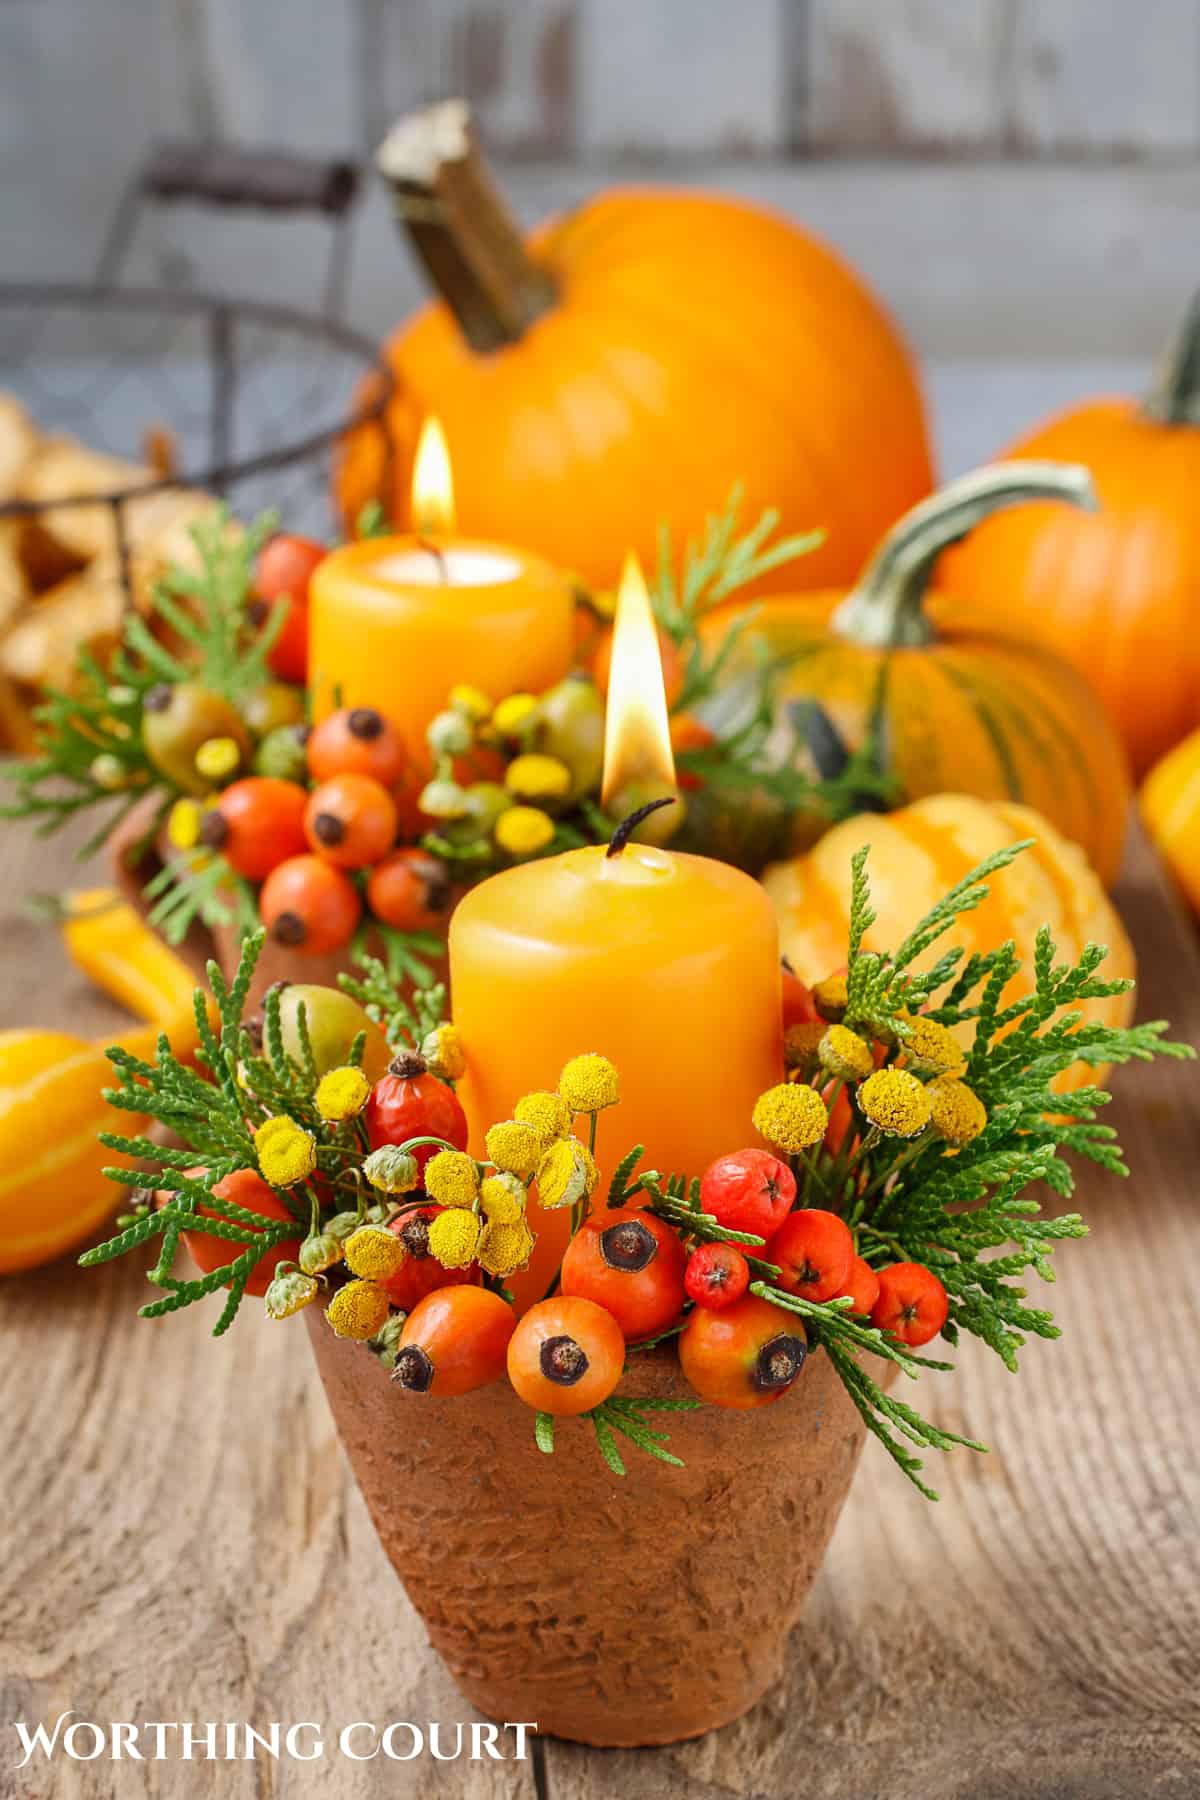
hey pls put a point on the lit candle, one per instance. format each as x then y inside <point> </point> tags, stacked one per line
<point>396,622</point>
<point>665,963</point>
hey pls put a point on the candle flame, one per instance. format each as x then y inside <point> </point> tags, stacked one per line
<point>637,732</point>
<point>432,483</point>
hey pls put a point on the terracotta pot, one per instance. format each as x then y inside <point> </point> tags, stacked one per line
<point>612,1611</point>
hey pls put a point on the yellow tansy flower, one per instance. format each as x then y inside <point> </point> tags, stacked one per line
<point>217,757</point>
<point>443,1052</point>
<point>589,1083</point>
<point>956,1111</point>
<point>537,777</point>
<point>289,1292</point>
<point>547,1114</point>
<point>451,1178</point>
<point>791,1116</point>
<point>286,1152</point>
<point>502,1198</point>
<point>374,1253</point>
<point>514,714</point>
<point>523,830</point>
<point>504,1248</point>
<point>320,1253</point>
<point>513,1146</point>
<point>931,1046</point>
<point>183,825</point>
<point>830,998</point>
<point>358,1310</point>
<point>845,1054</point>
<point>443,799</point>
<point>453,1238</point>
<point>342,1093</point>
<point>566,1174</point>
<point>895,1102</point>
<point>471,701</point>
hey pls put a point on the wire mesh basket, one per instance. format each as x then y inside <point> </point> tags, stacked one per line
<point>126,410</point>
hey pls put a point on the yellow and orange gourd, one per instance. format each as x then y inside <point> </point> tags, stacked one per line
<point>916,855</point>
<point>960,705</point>
<point>1170,807</point>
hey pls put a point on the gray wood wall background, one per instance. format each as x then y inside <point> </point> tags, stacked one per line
<point>1020,176</point>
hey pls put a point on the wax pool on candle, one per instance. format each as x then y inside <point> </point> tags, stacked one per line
<point>667,964</point>
<point>395,623</point>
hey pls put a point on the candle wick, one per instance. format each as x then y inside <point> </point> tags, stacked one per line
<point>627,827</point>
<point>435,551</point>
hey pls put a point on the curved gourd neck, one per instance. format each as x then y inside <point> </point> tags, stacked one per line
<point>886,609</point>
<point>1175,396</point>
<point>460,227</point>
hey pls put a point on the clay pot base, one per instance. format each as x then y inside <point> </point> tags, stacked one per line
<point>614,1612</point>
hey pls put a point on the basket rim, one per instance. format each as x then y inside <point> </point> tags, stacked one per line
<point>216,308</point>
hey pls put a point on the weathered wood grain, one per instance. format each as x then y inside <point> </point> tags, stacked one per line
<point>179,1539</point>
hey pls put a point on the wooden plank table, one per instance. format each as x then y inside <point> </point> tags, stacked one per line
<point>180,1539</point>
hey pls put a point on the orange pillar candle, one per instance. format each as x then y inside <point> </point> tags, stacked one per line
<point>668,964</point>
<point>396,622</point>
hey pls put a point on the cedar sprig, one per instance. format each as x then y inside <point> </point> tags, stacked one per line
<point>719,565</point>
<point>406,1015</point>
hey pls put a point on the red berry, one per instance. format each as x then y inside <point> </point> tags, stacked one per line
<point>421,1272</point>
<point>862,1285</point>
<point>748,1191</point>
<point>284,571</point>
<point>356,741</point>
<point>244,1187</point>
<point>308,905</point>
<point>749,1355</point>
<point>410,890</point>
<point>351,821</point>
<point>257,824</point>
<point>632,1265</point>
<point>409,1102</point>
<point>717,1275</point>
<point>912,1303</point>
<point>798,1008</point>
<point>814,1250</point>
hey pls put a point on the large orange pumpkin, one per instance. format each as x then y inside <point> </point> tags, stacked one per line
<point>920,852</point>
<point>1170,804</point>
<point>965,706</point>
<point>1115,592</point>
<point>631,364</point>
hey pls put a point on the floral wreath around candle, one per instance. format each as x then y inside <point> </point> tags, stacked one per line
<point>329,835</point>
<point>888,1202</point>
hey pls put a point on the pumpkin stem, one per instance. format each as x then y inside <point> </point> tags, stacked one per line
<point>886,608</point>
<point>1175,396</point>
<point>460,227</point>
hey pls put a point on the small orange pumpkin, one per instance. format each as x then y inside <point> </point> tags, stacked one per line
<point>640,356</point>
<point>955,705</point>
<point>921,851</point>
<point>1170,806</point>
<point>1115,591</point>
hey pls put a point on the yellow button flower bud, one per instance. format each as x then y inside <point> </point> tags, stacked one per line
<point>791,1116</point>
<point>320,1253</point>
<point>523,830</point>
<point>895,1102</point>
<point>589,1083</point>
<point>472,702</point>
<point>515,714</point>
<point>800,1044</point>
<point>443,1052</point>
<point>547,1114</point>
<point>537,777</point>
<point>442,799</point>
<point>513,1146</point>
<point>502,1198</point>
<point>505,1248</point>
<point>342,1094</point>
<point>829,997</point>
<point>449,734</point>
<point>451,1178</point>
<point>289,1292</point>
<point>845,1054</point>
<point>358,1310</point>
<point>374,1253</point>
<point>183,825</point>
<point>286,1152</point>
<point>956,1112</point>
<point>931,1046</point>
<point>566,1174</point>
<point>453,1238</point>
<point>391,1170</point>
<point>217,757</point>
